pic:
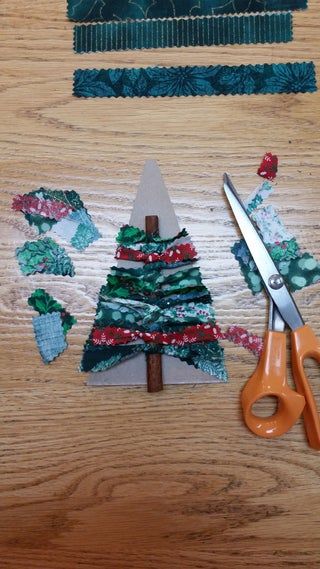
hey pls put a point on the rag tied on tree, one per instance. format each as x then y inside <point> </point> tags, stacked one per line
<point>154,302</point>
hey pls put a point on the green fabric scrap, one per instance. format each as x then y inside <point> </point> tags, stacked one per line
<point>128,235</point>
<point>44,303</point>
<point>137,283</point>
<point>44,256</point>
<point>206,356</point>
<point>135,315</point>
<point>298,270</point>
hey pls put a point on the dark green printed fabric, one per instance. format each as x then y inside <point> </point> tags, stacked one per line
<point>106,10</point>
<point>196,80</point>
<point>199,31</point>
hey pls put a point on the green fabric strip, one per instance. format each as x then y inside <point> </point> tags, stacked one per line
<point>199,31</point>
<point>108,10</point>
<point>129,235</point>
<point>196,80</point>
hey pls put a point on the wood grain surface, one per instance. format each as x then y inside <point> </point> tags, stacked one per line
<point>119,478</point>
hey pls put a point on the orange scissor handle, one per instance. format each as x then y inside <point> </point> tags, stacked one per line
<point>306,345</point>
<point>270,379</point>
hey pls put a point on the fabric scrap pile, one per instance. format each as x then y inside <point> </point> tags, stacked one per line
<point>299,269</point>
<point>61,211</point>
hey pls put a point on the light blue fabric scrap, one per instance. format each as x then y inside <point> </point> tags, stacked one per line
<point>49,335</point>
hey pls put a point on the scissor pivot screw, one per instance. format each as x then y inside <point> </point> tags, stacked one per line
<point>276,282</point>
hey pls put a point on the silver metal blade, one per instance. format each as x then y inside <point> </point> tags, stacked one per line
<point>276,322</point>
<point>265,265</point>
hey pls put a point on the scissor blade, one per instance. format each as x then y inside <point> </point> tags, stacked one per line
<point>265,265</point>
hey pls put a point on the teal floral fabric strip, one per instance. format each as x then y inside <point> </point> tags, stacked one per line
<point>44,256</point>
<point>106,10</point>
<point>49,336</point>
<point>196,80</point>
<point>183,32</point>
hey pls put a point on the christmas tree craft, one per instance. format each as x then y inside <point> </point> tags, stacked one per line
<point>154,316</point>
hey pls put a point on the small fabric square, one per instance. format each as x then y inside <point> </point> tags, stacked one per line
<point>49,335</point>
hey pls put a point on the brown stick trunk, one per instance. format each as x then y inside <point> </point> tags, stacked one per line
<point>154,365</point>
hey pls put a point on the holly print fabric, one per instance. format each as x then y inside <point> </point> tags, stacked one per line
<point>146,309</point>
<point>44,256</point>
<point>63,212</point>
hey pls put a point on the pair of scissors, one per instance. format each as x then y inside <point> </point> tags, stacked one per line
<point>270,376</point>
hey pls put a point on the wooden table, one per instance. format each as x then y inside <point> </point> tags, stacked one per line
<point>121,479</point>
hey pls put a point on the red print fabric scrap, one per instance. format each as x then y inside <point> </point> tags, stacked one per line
<point>112,336</point>
<point>269,166</point>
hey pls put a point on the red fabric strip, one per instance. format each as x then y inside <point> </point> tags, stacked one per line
<point>112,336</point>
<point>183,252</point>
<point>242,337</point>
<point>36,206</point>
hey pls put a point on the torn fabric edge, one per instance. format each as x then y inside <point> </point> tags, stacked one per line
<point>190,32</point>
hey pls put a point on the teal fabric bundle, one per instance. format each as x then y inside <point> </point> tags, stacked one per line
<point>184,32</point>
<point>121,10</point>
<point>196,80</point>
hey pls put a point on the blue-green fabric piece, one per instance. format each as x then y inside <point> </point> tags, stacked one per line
<point>199,31</point>
<point>49,335</point>
<point>196,80</point>
<point>86,232</point>
<point>106,10</point>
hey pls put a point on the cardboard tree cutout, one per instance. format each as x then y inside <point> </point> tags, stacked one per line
<point>158,306</point>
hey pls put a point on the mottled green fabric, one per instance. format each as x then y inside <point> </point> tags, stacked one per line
<point>134,315</point>
<point>44,256</point>
<point>299,270</point>
<point>149,281</point>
